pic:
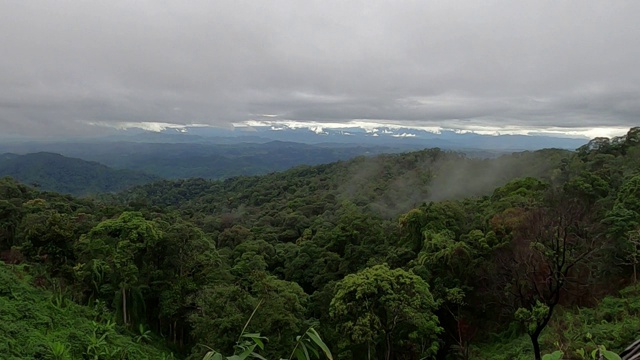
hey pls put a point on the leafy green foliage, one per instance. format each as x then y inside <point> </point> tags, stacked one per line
<point>556,355</point>
<point>613,324</point>
<point>381,306</point>
<point>34,328</point>
<point>306,347</point>
<point>114,255</point>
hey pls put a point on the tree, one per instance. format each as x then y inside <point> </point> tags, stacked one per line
<point>232,237</point>
<point>47,236</point>
<point>222,308</point>
<point>9,219</point>
<point>442,250</point>
<point>411,225</point>
<point>113,252</point>
<point>381,307</point>
<point>623,222</point>
<point>184,260</point>
<point>629,194</point>
<point>633,252</point>
<point>541,263</point>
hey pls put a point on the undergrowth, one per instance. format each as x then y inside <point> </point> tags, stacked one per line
<point>613,323</point>
<point>39,324</point>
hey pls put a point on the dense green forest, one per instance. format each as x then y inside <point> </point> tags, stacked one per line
<point>426,254</point>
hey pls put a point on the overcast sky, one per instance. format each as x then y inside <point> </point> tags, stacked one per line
<point>473,65</point>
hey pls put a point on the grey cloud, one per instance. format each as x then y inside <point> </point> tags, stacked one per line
<point>534,64</point>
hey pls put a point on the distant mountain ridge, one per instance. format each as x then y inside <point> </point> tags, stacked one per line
<point>205,160</point>
<point>409,138</point>
<point>385,136</point>
<point>54,172</point>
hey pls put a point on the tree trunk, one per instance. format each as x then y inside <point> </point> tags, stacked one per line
<point>388,354</point>
<point>124,307</point>
<point>181,337</point>
<point>536,335</point>
<point>536,346</point>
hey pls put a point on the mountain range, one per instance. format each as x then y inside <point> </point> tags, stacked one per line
<point>395,137</point>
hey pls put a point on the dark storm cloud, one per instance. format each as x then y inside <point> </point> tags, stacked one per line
<point>455,64</point>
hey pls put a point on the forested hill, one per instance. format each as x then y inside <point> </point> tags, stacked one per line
<point>58,173</point>
<point>391,256</point>
<point>385,185</point>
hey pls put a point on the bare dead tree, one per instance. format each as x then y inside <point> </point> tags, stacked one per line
<point>540,265</point>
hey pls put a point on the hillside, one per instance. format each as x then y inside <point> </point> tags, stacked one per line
<point>54,172</point>
<point>40,324</point>
<point>472,257</point>
<point>386,185</point>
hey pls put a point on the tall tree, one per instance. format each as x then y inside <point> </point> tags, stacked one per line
<point>378,307</point>
<point>115,248</point>
<point>541,263</point>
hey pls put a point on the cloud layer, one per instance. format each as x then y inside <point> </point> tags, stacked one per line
<point>468,65</point>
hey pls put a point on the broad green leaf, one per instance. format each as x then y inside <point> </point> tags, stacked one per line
<point>610,355</point>
<point>315,337</point>
<point>245,354</point>
<point>556,355</point>
<point>312,349</point>
<point>256,338</point>
<point>212,355</point>
<point>304,348</point>
<point>299,354</point>
<point>257,356</point>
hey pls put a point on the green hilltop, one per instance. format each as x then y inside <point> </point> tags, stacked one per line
<point>54,172</point>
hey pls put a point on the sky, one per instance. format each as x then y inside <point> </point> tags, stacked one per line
<point>83,67</point>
